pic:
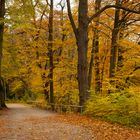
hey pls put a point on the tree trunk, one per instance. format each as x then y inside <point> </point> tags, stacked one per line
<point>2,13</point>
<point>82,44</point>
<point>114,45</point>
<point>95,52</point>
<point>81,35</point>
<point>50,50</point>
<point>2,92</point>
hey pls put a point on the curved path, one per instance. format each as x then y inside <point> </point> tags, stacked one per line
<point>22,122</point>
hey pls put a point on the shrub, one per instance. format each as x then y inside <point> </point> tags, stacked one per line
<point>122,107</point>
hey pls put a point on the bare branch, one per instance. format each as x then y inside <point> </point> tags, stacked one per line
<point>112,6</point>
<point>105,25</point>
<point>61,5</point>
<point>36,3</point>
<point>132,21</point>
<point>48,3</point>
<point>135,69</point>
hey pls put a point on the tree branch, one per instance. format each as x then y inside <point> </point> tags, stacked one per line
<point>36,3</point>
<point>71,18</point>
<point>48,3</point>
<point>135,69</point>
<point>61,5</point>
<point>112,6</point>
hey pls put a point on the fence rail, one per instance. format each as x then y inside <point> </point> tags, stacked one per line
<point>60,107</point>
<point>66,108</point>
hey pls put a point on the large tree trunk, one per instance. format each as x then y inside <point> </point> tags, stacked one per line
<point>2,13</point>
<point>81,35</point>
<point>95,52</point>
<point>82,44</point>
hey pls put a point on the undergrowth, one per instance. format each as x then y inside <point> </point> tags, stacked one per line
<point>122,108</point>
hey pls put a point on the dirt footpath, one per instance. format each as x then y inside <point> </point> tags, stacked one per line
<point>21,122</point>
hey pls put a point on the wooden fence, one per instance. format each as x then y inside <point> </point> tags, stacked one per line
<point>61,108</point>
<point>66,108</point>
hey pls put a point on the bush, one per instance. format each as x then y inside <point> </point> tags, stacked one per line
<point>123,108</point>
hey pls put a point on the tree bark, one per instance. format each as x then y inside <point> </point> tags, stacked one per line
<point>81,35</point>
<point>2,13</point>
<point>82,43</point>
<point>2,92</point>
<point>95,52</point>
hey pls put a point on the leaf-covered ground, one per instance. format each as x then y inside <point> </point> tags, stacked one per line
<point>100,129</point>
<point>25,123</point>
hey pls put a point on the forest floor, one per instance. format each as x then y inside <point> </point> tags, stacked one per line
<point>23,122</point>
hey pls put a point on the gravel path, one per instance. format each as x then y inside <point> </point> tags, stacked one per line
<point>21,122</point>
